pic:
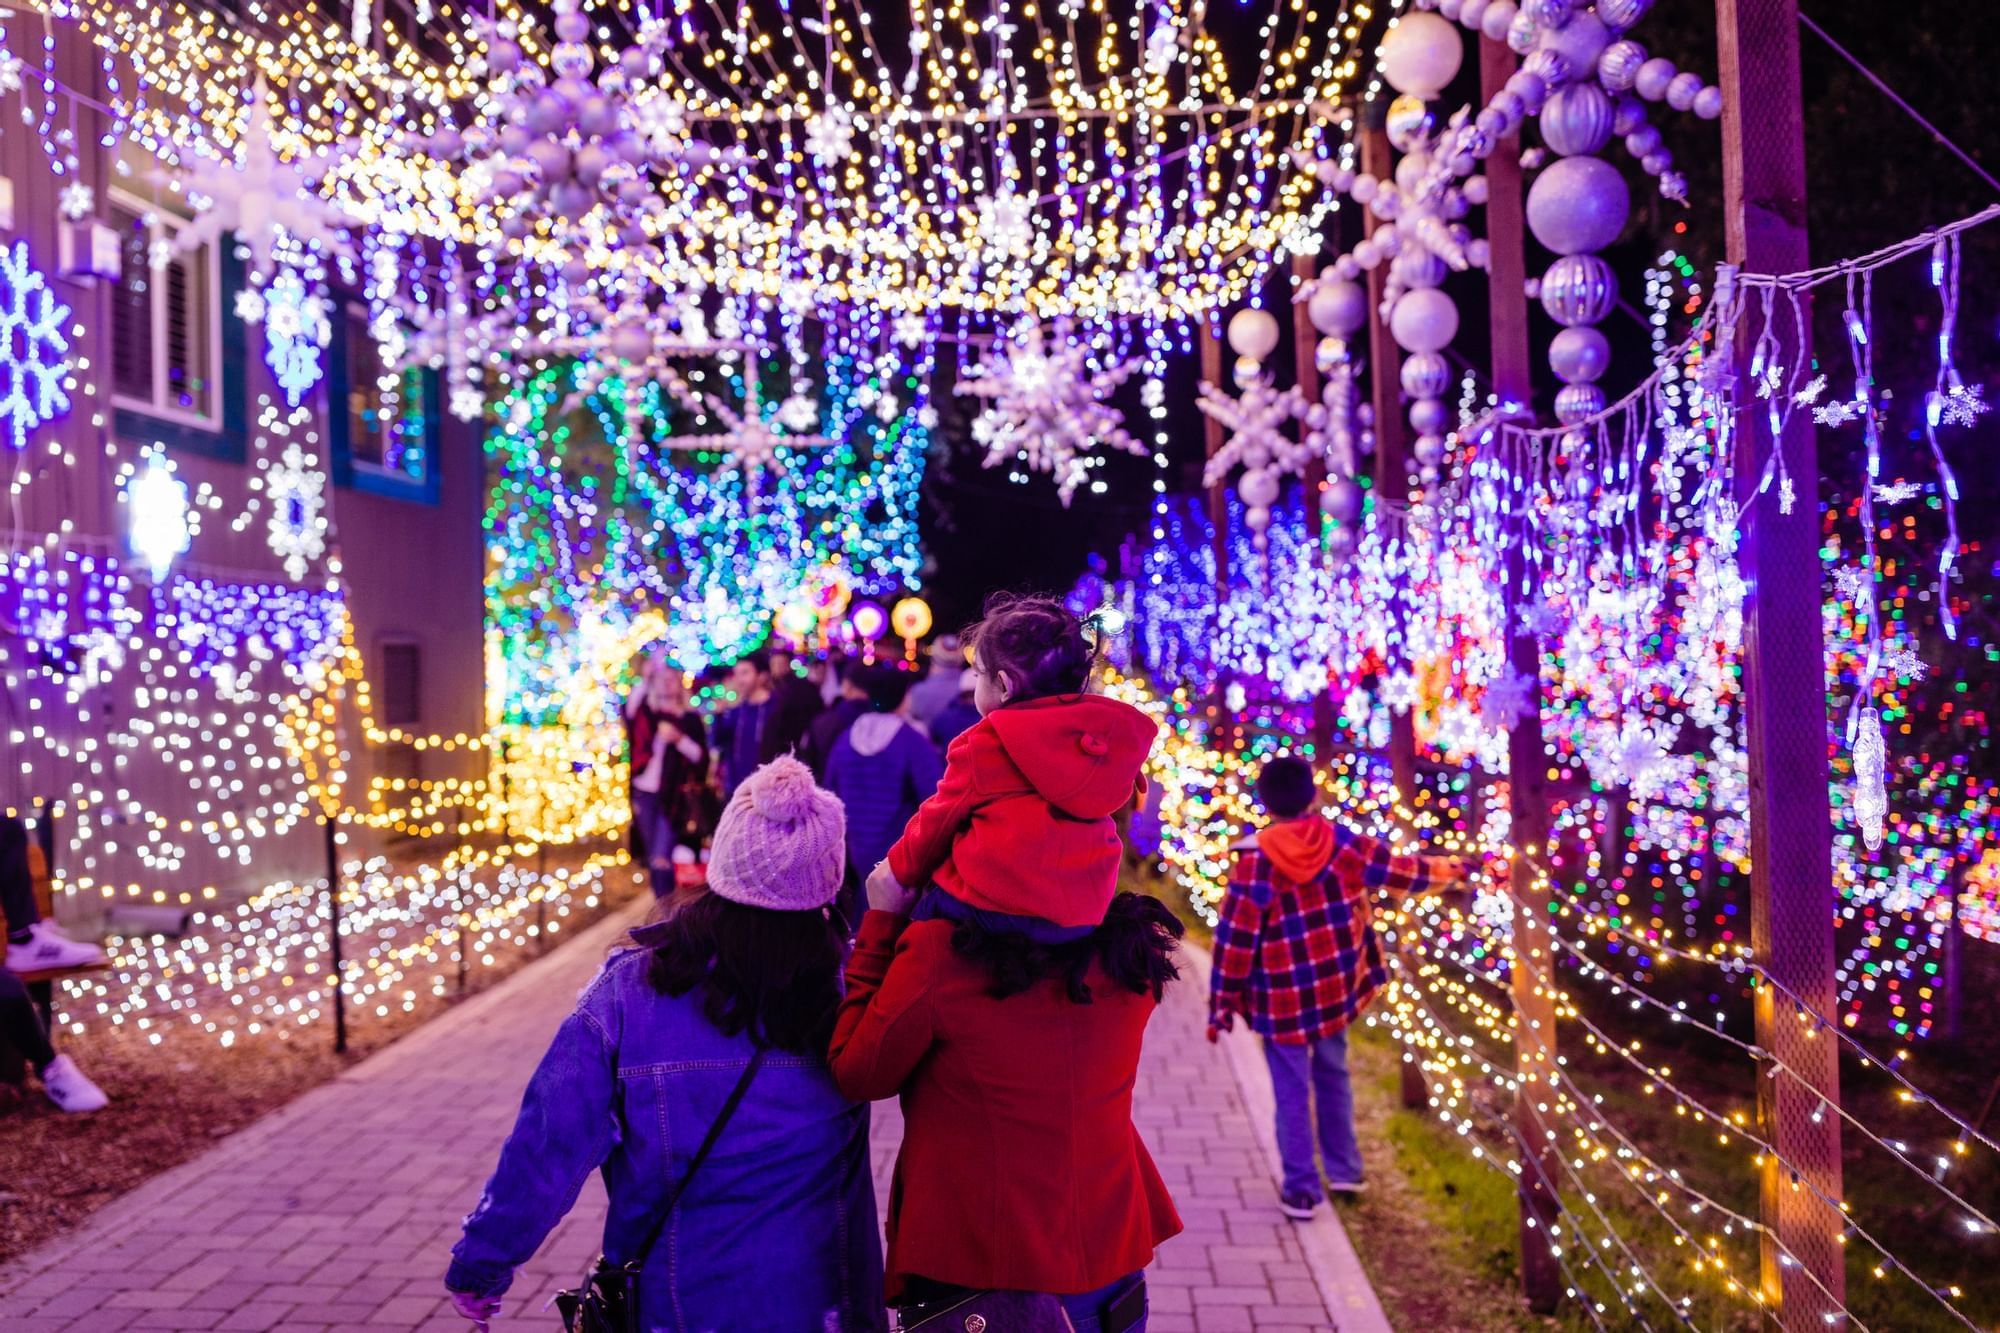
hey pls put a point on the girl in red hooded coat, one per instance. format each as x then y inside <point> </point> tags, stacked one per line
<point>1020,1168</point>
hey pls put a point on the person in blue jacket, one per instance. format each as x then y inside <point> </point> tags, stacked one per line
<point>776,1231</point>
<point>882,768</point>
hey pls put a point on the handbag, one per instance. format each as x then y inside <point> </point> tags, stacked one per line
<point>987,1312</point>
<point>608,1300</point>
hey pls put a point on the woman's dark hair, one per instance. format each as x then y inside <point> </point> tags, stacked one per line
<point>774,975</point>
<point>1285,786</point>
<point>1037,641</point>
<point>1135,945</point>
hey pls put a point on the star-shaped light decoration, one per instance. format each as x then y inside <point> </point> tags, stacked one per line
<point>1399,691</point>
<point>260,197</point>
<point>1047,406</point>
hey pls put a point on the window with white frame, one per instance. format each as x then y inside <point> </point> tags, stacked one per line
<point>166,324</point>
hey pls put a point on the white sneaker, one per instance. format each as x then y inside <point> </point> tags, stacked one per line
<point>48,948</point>
<point>69,1089</point>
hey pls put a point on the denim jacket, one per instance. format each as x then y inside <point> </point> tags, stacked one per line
<point>777,1230</point>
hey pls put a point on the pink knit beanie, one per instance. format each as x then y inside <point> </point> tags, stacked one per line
<point>781,843</point>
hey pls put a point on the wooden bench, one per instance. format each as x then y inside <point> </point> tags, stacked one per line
<point>42,981</point>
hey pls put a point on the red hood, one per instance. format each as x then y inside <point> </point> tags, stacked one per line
<point>1299,848</point>
<point>1080,752</point>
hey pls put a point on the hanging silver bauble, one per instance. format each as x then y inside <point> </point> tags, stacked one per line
<point>1407,122</point>
<point>1578,402</point>
<point>1549,13</point>
<point>1426,320</point>
<point>1579,289</point>
<point>1523,32</point>
<point>1618,67</point>
<point>1259,488</point>
<point>1428,450</point>
<point>1328,353</point>
<point>1426,375</point>
<point>1253,333</point>
<point>1580,355</point>
<point>1653,78</point>
<point>1576,120</point>
<point>1627,115</point>
<point>1340,541</point>
<point>1418,267</point>
<point>1248,371</point>
<point>1622,14</point>
<point>1578,204</point>
<point>1430,416</point>
<point>1551,67</point>
<point>1580,42</point>
<point>1338,307</point>
<point>1341,500</point>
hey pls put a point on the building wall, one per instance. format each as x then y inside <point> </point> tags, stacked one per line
<point>411,564</point>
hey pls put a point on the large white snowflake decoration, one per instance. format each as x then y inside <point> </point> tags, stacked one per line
<point>1258,423</point>
<point>1961,404</point>
<point>750,440</point>
<point>296,490</point>
<point>830,136</point>
<point>1047,405</point>
<point>1641,757</point>
<point>1398,691</point>
<point>297,329</point>
<point>1006,225</point>
<point>1510,697</point>
<point>34,350</point>
<point>260,197</point>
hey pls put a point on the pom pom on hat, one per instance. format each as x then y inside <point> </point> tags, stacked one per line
<point>781,843</point>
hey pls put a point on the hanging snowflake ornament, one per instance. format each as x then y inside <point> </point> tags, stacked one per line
<point>750,441</point>
<point>1961,405</point>
<point>1509,698</point>
<point>1838,413</point>
<point>297,330</point>
<point>296,489</point>
<point>1640,757</point>
<point>798,412</point>
<point>160,523</point>
<point>1904,664</point>
<point>260,197</point>
<point>1047,406</point>
<point>1809,395</point>
<point>1258,423</point>
<point>1399,691</point>
<point>1894,493</point>
<point>76,200</point>
<point>34,350</point>
<point>912,328</point>
<point>1006,225</point>
<point>830,136</point>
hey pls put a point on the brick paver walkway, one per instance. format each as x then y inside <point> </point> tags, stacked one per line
<point>337,1212</point>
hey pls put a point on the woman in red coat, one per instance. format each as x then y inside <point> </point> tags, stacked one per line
<point>1015,1061</point>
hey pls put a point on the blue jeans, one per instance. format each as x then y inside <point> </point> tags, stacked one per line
<point>1086,1312</point>
<point>1323,1064</point>
<point>656,838</point>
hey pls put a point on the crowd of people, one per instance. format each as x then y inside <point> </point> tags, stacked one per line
<point>911,889</point>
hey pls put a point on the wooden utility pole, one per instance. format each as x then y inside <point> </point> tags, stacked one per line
<point>1527,761</point>
<point>1392,476</point>
<point>1392,471</point>
<point>1803,1271</point>
<point>1218,521</point>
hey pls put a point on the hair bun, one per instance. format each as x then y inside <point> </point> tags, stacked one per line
<point>783,791</point>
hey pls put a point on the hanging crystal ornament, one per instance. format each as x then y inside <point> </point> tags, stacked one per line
<point>1047,404</point>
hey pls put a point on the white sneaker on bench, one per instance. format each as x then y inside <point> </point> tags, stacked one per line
<point>48,948</point>
<point>69,1089</point>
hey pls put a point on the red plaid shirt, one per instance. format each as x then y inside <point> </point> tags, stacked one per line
<point>1300,961</point>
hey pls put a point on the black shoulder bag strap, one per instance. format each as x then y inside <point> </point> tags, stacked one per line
<point>700,1155</point>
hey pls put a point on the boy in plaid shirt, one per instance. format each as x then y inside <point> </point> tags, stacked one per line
<point>1296,956</point>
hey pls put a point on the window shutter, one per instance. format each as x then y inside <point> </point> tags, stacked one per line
<point>132,309</point>
<point>401,681</point>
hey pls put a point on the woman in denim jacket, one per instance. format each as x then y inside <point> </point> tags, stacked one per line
<point>777,1230</point>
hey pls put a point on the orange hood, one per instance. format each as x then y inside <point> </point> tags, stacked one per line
<point>1299,848</point>
<point>1080,752</point>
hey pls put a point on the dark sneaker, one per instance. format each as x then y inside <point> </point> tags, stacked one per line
<point>1298,1205</point>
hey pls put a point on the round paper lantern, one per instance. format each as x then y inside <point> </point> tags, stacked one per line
<point>1426,375</point>
<point>1253,333</point>
<point>1580,355</point>
<point>1426,320</point>
<point>869,620</point>
<point>911,618</point>
<point>1259,488</point>
<point>1341,500</point>
<point>1576,119</point>
<point>1338,308</point>
<point>1578,204</point>
<point>1421,54</point>
<point>1578,402</point>
<point>1579,289</point>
